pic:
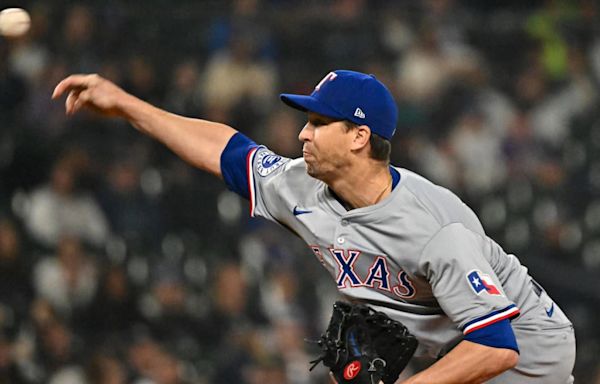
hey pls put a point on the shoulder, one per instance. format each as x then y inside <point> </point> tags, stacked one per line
<point>443,205</point>
<point>424,189</point>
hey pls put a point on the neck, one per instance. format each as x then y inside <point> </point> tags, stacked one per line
<point>361,186</point>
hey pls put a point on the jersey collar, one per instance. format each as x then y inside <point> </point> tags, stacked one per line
<point>339,206</point>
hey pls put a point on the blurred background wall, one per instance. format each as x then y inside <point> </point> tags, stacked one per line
<point>119,263</point>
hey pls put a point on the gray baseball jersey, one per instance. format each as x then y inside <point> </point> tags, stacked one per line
<point>420,255</point>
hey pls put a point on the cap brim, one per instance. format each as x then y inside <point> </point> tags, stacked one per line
<point>306,103</point>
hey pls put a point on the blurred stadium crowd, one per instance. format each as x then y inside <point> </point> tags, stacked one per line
<point>119,263</point>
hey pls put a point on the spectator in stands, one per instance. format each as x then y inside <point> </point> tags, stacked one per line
<point>552,115</point>
<point>478,151</point>
<point>132,214</point>
<point>68,280</point>
<point>59,354</point>
<point>152,363</point>
<point>14,90</point>
<point>105,368</point>
<point>281,133</point>
<point>10,373</point>
<point>59,208</point>
<point>182,97</point>
<point>234,76</point>
<point>15,276</point>
<point>171,313</point>
<point>114,311</point>
<point>79,37</point>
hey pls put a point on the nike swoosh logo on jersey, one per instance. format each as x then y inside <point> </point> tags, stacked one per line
<point>298,211</point>
<point>550,311</point>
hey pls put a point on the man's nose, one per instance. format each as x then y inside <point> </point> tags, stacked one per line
<point>305,134</point>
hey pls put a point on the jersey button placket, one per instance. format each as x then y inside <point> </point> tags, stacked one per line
<point>340,237</point>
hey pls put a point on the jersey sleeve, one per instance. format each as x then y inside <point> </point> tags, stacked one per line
<point>498,335</point>
<point>253,172</point>
<point>463,281</point>
<point>234,164</point>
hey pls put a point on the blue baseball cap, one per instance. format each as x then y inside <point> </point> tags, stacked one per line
<point>353,96</point>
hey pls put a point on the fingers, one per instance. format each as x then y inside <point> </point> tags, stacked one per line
<point>70,102</point>
<point>78,88</point>
<point>83,98</point>
<point>71,82</point>
<point>76,100</point>
<point>74,82</point>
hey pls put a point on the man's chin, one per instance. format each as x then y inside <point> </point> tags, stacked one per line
<point>317,171</point>
<point>311,171</point>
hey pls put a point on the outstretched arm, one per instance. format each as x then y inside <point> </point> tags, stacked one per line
<point>467,363</point>
<point>199,142</point>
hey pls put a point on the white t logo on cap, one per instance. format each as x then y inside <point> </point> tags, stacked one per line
<point>330,76</point>
<point>359,113</point>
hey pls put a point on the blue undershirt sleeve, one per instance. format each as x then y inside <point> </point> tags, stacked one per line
<point>497,335</point>
<point>234,163</point>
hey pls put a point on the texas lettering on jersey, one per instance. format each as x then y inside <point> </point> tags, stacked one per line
<point>377,276</point>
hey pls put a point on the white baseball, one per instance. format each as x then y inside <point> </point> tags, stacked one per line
<point>14,22</point>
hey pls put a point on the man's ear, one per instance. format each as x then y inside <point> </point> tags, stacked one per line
<point>362,134</point>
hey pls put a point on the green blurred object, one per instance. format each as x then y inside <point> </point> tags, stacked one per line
<point>545,27</point>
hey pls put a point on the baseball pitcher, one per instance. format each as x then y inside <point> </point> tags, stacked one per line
<point>411,251</point>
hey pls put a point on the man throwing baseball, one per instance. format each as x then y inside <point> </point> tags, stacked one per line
<point>390,238</point>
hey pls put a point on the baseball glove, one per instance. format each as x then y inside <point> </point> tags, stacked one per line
<point>363,346</point>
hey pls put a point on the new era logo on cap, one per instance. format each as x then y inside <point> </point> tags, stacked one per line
<point>339,94</point>
<point>359,113</point>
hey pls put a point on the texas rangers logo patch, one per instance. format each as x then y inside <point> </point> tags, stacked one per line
<point>481,282</point>
<point>267,162</point>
